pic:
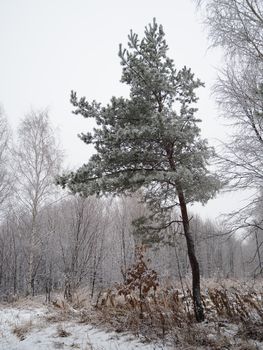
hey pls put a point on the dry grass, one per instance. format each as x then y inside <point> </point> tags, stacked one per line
<point>251,331</point>
<point>234,316</point>
<point>57,315</point>
<point>21,330</point>
<point>62,333</point>
<point>81,299</point>
<point>202,337</point>
<point>25,302</point>
<point>61,310</point>
<point>168,314</point>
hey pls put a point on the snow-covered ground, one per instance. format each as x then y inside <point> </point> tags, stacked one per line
<point>32,325</point>
<point>29,329</point>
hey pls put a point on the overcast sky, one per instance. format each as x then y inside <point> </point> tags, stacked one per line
<point>50,47</point>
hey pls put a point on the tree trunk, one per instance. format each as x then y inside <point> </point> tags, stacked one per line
<point>123,253</point>
<point>198,307</point>
<point>14,262</point>
<point>32,248</point>
<point>258,253</point>
<point>94,275</point>
<point>67,290</point>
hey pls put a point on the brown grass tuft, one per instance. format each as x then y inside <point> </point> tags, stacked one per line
<point>22,330</point>
<point>61,332</point>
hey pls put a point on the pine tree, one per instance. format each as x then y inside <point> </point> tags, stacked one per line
<point>150,141</point>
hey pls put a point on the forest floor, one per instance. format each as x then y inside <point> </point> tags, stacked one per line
<point>233,321</point>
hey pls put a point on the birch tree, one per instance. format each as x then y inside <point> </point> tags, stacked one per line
<point>237,27</point>
<point>37,161</point>
<point>5,175</point>
<point>80,234</point>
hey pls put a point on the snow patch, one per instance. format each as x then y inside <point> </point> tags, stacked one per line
<point>42,335</point>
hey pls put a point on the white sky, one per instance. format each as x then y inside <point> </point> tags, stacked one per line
<point>50,47</point>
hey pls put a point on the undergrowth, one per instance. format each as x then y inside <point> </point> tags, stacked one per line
<point>140,305</point>
<point>234,311</point>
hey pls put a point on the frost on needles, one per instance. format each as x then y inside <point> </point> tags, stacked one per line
<point>151,140</point>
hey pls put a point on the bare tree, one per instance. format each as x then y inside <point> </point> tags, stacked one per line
<point>240,94</point>
<point>255,232</point>
<point>37,160</point>
<point>80,236</point>
<point>126,210</point>
<point>237,27</point>
<point>5,176</point>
